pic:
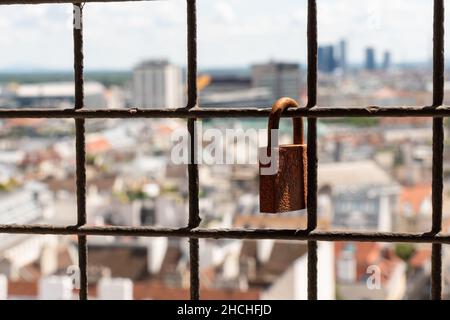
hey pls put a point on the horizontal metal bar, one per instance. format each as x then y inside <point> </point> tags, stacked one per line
<point>316,112</point>
<point>255,234</point>
<point>7,2</point>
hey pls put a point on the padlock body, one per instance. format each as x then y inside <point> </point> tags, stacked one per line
<point>284,190</point>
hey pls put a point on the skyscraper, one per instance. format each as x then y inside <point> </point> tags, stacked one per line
<point>370,59</point>
<point>157,84</point>
<point>386,60</point>
<point>326,59</point>
<point>343,55</point>
<point>282,78</point>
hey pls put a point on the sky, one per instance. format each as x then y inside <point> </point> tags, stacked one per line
<point>231,33</point>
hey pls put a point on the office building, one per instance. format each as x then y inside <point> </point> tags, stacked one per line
<point>54,94</point>
<point>343,55</point>
<point>326,59</point>
<point>282,79</point>
<point>386,60</point>
<point>157,84</point>
<point>370,59</point>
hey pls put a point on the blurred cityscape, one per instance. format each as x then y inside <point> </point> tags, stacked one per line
<point>374,175</point>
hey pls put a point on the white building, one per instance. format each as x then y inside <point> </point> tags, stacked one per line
<point>157,84</point>
<point>56,94</point>
<point>115,289</point>
<point>293,284</point>
<point>362,196</point>
<point>31,204</point>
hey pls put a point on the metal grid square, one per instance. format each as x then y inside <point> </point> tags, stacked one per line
<point>192,112</point>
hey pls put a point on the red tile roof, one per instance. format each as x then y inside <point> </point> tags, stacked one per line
<point>22,289</point>
<point>24,122</point>
<point>370,253</point>
<point>97,145</point>
<point>154,290</point>
<point>414,196</point>
<point>158,291</point>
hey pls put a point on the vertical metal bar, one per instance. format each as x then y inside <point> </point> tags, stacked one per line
<point>80,145</point>
<point>192,53</point>
<point>194,215</point>
<point>436,273</point>
<point>438,146</point>
<point>194,218</point>
<point>312,147</point>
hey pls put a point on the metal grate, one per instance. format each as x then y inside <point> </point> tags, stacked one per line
<point>192,112</point>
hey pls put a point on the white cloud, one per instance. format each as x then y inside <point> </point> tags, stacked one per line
<point>230,32</point>
<point>224,12</point>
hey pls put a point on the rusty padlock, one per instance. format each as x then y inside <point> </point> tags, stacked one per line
<point>283,178</point>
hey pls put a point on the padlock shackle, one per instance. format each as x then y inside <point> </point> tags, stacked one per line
<point>274,120</point>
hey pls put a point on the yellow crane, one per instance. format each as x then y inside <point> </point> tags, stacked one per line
<point>203,81</point>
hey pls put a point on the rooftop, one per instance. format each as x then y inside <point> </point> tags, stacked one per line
<point>55,89</point>
<point>350,174</point>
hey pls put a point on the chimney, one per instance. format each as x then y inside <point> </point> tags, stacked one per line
<point>156,252</point>
<point>3,287</point>
<point>55,288</point>
<point>115,289</point>
<point>48,260</point>
<point>264,250</point>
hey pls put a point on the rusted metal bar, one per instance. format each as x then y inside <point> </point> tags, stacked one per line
<point>436,271</point>
<point>194,212</point>
<point>437,190</point>
<point>250,234</point>
<point>438,146</point>
<point>204,112</point>
<point>312,270</point>
<point>437,173</point>
<point>80,146</point>
<point>312,147</point>
<point>194,217</point>
<point>192,54</point>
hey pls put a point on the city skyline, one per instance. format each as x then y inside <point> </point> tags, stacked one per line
<point>238,33</point>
